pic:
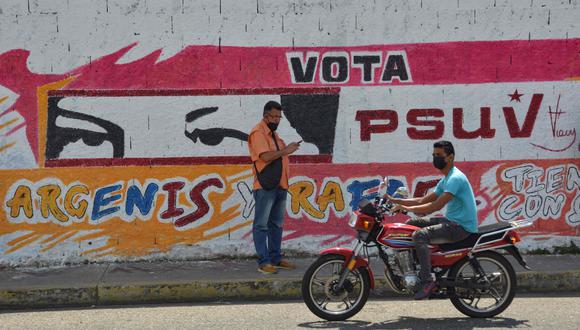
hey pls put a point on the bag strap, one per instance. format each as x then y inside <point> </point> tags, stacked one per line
<point>275,142</point>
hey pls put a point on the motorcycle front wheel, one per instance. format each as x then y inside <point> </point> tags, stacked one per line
<point>499,285</point>
<point>324,299</point>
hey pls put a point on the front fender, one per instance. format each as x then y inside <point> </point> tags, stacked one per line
<point>347,254</point>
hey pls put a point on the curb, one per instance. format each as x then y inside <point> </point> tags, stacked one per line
<point>201,291</point>
<point>243,290</point>
<point>47,297</point>
<point>549,281</point>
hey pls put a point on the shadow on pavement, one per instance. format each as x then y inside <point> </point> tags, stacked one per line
<point>407,322</point>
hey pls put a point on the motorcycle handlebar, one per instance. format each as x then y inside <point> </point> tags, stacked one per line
<point>385,205</point>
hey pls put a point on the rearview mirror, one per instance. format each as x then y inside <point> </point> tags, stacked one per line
<point>384,184</point>
<point>402,192</point>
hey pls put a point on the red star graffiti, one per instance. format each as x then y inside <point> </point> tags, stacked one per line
<point>515,96</point>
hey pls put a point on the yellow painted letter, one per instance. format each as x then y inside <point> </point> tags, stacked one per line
<point>300,191</point>
<point>48,202</point>
<point>78,211</point>
<point>22,199</point>
<point>332,193</point>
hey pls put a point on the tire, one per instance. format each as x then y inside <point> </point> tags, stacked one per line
<point>507,281</point>
<point>360,276</point>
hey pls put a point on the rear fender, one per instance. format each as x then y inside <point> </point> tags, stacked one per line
<point>348,254</point>
<point>513,250</point>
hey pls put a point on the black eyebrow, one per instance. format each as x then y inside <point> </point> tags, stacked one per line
<point>197,113</point>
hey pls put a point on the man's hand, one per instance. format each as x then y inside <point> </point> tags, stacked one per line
<point>291,148</point>
<point>388,197</point>
<point>398,208</point>
<point>392,199</point>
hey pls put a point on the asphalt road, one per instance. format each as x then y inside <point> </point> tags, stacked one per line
<point>530,311</point>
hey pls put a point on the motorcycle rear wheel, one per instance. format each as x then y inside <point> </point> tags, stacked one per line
<point>501,292</point>
<point>318,295</point>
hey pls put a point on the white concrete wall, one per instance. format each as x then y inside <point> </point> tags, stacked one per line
<point>63,35</point>
<point>54,45</point>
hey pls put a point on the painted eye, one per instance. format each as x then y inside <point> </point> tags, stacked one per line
<point>212,136</point>
<point>215,136</point>
<point>75,126</point>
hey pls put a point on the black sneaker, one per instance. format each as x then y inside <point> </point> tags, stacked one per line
<point>425,290</point>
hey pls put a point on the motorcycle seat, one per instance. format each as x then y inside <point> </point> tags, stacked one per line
<point>472,238</point>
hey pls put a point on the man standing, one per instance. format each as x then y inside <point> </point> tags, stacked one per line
<point>269,155</point>
<point>455,191</point>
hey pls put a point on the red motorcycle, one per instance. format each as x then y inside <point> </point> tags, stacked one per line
<point>479,281</point>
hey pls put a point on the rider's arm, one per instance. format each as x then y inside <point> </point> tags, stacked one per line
<point>430,206</point>
<point>430,197</point>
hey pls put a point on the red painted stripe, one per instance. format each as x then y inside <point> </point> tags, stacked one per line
<point>267,67</point>
<point>194,92</point>
<point>176,161</point>
<point>6,111</point>
<point>15,129</point>
<point>304,159</point>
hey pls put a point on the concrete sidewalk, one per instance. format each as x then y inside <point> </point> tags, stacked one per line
<point>195,281</point>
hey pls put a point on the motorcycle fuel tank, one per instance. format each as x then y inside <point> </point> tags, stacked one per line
<point>397,235</point>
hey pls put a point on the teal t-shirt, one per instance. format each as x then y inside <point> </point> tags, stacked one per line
<point>461,208</point>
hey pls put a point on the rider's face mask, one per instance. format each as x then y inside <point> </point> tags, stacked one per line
<point>439,162</point>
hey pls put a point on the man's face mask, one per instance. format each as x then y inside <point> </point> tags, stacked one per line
<point>276,120</point>
<point>439,162</point>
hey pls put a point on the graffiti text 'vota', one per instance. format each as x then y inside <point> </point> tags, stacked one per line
<point>337,67</point>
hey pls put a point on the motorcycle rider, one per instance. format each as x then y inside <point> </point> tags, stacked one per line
<point>460,220</point>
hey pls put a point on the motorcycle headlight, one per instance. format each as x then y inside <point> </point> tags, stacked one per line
<point>352,220</point>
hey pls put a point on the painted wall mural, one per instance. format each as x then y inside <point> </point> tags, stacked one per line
<point>137,211</point>
<point>148,159</point>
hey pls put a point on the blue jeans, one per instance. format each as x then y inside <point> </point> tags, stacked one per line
<point>268,220</point>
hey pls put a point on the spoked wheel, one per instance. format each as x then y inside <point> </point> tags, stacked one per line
<point>497,288</point>
<point>324,299</point>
